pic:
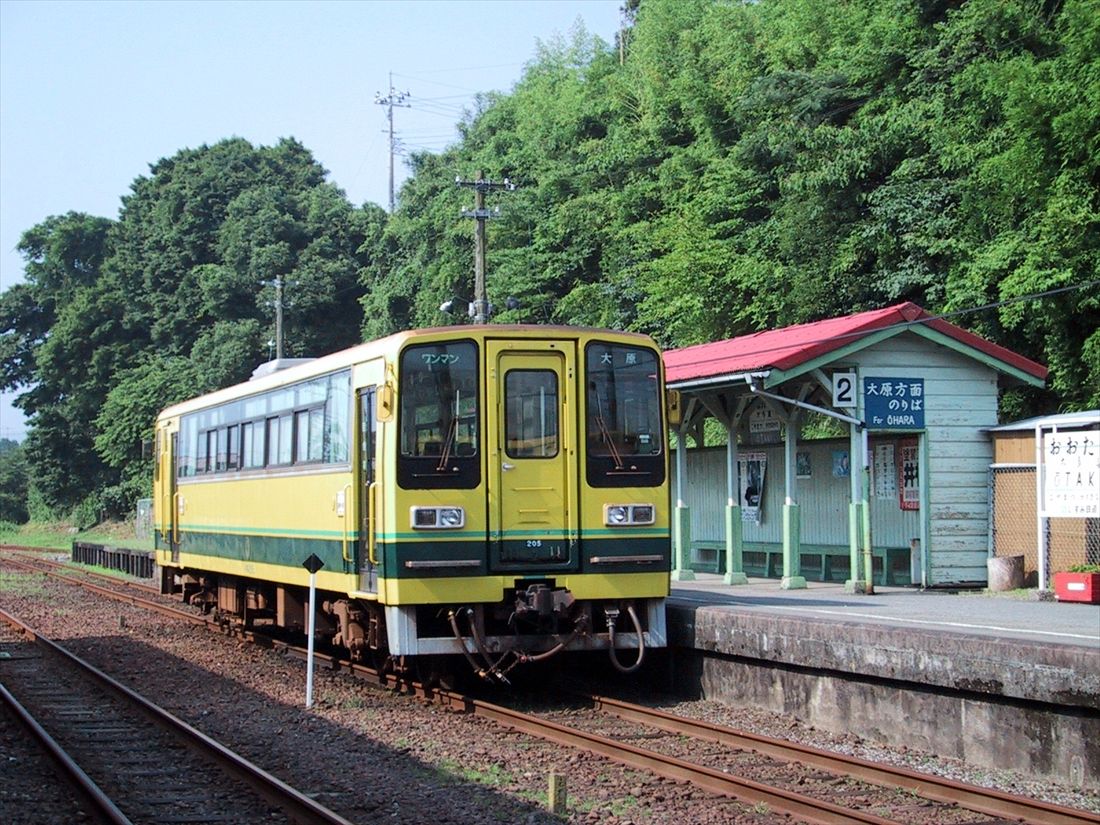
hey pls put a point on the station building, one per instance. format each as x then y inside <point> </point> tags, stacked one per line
<point>902,496</point>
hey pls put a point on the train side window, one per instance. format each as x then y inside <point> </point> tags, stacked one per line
<point>301,436</point>
<point>203,452</point>
<point>247,456</point>
<point>303,423</point>
<point>252,442</point>
<point>272,445</point>
<point>286,439</point>
<point>233,453</point>
<point>222,456</point>
<point>316,434</point>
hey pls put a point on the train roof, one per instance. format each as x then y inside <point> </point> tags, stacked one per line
<point>342,359</point>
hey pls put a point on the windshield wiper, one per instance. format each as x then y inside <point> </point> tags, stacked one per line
<point>448,442</point>
<point>604,432</point>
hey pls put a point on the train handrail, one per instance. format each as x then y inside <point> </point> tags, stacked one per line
<point>371,515</point>
<point>176,499</point>
<point>347,507</point>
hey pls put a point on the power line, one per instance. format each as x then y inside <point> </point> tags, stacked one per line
<point>903,324</point>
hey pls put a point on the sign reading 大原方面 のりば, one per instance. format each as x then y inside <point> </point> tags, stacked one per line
<point>893,403</point>
<point>1071,474</point>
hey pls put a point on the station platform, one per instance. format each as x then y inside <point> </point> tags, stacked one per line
<point>996,680</point>
<point>1026,649</point>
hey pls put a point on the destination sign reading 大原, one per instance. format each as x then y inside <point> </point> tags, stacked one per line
<point>893,403</point>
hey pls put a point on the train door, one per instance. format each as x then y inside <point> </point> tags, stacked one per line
<point>369,556</point>
<point>174,526</point>
<point>532,456</point>
<point>167,448</point>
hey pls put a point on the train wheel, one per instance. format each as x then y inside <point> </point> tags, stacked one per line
<point>437,672</point>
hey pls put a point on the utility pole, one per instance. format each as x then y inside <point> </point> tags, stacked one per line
<point>279,305</point>
<point>394,98</point>
<point>278,317</point>
<point>479,309</point>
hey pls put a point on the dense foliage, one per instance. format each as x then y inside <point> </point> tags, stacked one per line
<point>118,319</point>
<point>752,165</point>
<point>734,167</point>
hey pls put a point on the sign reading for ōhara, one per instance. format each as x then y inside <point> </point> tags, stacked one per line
<point>1071,474</point>
<point>893,403</point>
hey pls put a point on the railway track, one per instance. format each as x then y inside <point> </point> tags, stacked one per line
<point>884,794</point>
<point>132,761</point>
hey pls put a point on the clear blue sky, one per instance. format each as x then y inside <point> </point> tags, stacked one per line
<point>92,93</point>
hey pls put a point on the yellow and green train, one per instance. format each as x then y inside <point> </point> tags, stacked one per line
<point>493,492</point>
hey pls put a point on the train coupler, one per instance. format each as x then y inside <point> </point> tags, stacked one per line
<point>539,603</point>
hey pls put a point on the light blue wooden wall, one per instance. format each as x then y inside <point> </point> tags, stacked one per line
<point>961,402</point>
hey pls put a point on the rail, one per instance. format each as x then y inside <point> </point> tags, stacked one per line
<point>931,787</point>
<point>295,804</point>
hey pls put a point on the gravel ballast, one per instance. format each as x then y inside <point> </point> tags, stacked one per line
<point>369,753</point>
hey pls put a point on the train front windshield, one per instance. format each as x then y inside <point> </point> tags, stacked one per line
<point>623,428</point>
<point>438,417</point>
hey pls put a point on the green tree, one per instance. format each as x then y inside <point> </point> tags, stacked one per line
<point>13,482</point>
<point>184,277</point>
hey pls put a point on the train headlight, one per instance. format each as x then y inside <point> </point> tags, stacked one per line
<point>616,515</point>
<point>437,518</point>
<point>450,517</point>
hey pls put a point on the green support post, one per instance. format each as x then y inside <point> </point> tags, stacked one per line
<point>735,562</point>
<point>792,549</point>
<point>681,541</point>
<point>854,584</point>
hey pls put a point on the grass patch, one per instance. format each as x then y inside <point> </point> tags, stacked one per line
<point>61,536</point>
<point>494,777</point>
<point>23,584</point>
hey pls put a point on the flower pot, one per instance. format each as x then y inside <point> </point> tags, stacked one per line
<point>1077,587</point>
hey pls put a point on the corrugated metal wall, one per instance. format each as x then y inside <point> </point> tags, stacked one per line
<point>823,498</point>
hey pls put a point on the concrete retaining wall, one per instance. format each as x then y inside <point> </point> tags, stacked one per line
<point>1022,706</point>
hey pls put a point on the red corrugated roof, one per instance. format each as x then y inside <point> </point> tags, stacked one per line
<point>787,348</point>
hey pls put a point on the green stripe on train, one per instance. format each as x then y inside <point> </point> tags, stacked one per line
<point>292,551</point>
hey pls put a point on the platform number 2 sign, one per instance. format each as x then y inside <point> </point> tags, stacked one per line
<point>844,389</point>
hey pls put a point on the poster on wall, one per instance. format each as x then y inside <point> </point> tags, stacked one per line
<point>802,465</point>
<point>750,475</point>
<point>841,464</point>
<point>884,475</point>
<point>909,476</point>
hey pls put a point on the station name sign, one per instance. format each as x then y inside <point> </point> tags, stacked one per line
<point>893,403</point>
<point>1071,474</point>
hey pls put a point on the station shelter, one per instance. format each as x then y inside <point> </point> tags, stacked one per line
<point>902,496</point>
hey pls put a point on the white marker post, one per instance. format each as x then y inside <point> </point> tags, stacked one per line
<point>312,564</point>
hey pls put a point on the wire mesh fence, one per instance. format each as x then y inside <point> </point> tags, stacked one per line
<point>1014,526</point>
